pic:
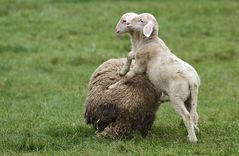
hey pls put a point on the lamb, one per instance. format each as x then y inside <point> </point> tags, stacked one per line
<point>169,74</point>
<point>120,113</point>
<point>122,28</point>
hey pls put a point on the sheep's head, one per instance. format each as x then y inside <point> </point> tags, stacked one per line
<point>144,23</point>
<point>121,27</point>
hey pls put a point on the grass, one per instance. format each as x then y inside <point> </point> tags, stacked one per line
<point>49,49</point>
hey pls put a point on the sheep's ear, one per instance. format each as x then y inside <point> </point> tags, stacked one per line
<point>148,29</point>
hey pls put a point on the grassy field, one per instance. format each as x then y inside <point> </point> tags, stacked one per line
<point>49,49</point>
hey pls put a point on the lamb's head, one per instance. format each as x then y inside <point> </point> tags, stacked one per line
<point>145,23</point>
<point>121,27</point>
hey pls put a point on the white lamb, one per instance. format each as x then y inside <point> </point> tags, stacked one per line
<point>122,28</point>
<point>169,74</point>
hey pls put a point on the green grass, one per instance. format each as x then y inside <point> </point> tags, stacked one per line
<point>49,49</point>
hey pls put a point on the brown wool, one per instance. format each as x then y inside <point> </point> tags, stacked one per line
<point>124,110</point>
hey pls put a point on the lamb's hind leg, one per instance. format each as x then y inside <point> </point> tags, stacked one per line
<point>180,108</point>
<point>193,114</point>
<point>194,101</point>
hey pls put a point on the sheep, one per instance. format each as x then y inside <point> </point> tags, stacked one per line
<point>119,113</point>
<point>168,73</point>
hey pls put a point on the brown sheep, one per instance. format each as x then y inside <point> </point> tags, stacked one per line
<point>120,112</point>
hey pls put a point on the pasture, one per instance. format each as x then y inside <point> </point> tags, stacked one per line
<point>49,49</point>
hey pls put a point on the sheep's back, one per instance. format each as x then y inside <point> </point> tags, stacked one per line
<point>135,101</point>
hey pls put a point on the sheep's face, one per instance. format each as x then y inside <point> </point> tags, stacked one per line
<point>122,27</point>
<point>144,23</point>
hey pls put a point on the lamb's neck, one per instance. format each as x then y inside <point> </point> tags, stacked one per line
<point>135,40</point>
<point>144,40</point>
<point>154,39</point>
<point>138,39</point>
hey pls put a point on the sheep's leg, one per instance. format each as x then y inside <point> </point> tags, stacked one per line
<point>179,107</point>
<point>126,66</point>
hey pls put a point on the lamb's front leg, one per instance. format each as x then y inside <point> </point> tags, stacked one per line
<point>126,66</point>
<point>138,68</point>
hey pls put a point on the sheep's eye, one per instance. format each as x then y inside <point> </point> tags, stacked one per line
<point>141,21</point>
<point>124,21</point>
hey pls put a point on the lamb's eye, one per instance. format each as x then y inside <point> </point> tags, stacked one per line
<point>141,21</point>
<point>124,21</point>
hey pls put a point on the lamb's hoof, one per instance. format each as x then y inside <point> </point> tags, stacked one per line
<point>192,139</point>
<point>122,72</point>
<point>197,129</point>
<point>112,86</point>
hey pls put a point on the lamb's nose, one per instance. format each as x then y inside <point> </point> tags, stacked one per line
<point>117,30</point>
<point>127,23</point>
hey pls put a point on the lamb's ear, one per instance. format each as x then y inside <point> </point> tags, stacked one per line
<point>148,29</point>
